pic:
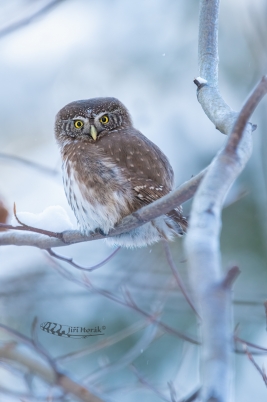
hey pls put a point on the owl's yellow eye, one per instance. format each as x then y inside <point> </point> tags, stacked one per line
<point>78,124</point>
<point>104,119</point>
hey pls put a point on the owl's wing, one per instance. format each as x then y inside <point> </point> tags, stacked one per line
<point>139,157</point>
<point>146,167</point>
<point>147,191</point>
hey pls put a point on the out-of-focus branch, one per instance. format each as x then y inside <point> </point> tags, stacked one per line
<point>29,236</point>
<point>151,333</point>
<point>177,277</point>
<point>13,353</point>
<point>212,291</point>
<point>261,371</point>
<point>70,261</point>
<point>29,19</point>
<point>148,384</point>
<point>37,166</point>
<point>104,343</point>
<point>87,284</point>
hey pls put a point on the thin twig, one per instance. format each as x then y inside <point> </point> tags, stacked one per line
<point>147,383</point>
<point>29,19</point>
<point>250,105</point>
<point>14,354</point>
<point>151,334</point>
<point>70,261</point>
<point>34,165</point>
<point>261,371</point>
<point>172,391</point>
<point>177,276</point>
<point>252,345</point>
<point>105,343</point>
<point>86,283</point>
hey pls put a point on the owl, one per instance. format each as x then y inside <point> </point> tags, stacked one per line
<point>111,170</point>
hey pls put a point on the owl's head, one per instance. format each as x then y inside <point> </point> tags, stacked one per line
<point>91,119</point>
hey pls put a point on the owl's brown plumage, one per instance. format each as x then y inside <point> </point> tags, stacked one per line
<point>110,170</point>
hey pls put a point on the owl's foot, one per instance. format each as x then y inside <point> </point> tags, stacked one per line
<point>100,231</point>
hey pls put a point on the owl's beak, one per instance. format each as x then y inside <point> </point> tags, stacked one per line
<point>93,132</point>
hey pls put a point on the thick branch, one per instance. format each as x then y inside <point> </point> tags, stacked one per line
<point>211,290</point>
<point>23,236</point>
<point>208,95</point>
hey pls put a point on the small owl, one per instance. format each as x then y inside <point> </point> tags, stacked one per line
<point>111,170</point>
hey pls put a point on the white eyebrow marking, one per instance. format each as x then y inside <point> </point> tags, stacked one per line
<point>79,118</point>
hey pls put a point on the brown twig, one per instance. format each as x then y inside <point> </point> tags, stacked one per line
<point>177,277</point>
<point>14,354</point>
<point>70,261</point>
<point>261,371</point>
<point>86,283</point>
<point>250,105</point>
<point>231,276</point>
<point>252,345</point>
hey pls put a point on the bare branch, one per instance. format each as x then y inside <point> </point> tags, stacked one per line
<point>148,384</point>
<point>29,19</point>
<point>78,266</point>
<point>13,353</point>
<point>104,343</point>
<point>85,283</point>
<point>177,276</point>
<point>202,241</point>
<point>265,308</point>
<point>34,165</point>
<point>230,277</point>
<point>261,371</point>
<point>203,252</point>
<point>45,239</point>
<point>172,391</point>
<point>247,110</point>
<point>151,333</point>
<point>252,345</point>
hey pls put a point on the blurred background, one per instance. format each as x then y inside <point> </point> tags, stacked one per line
<point>145,54</point>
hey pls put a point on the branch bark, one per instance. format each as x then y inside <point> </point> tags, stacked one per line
<point>25,236</point>
<point>212,291</point>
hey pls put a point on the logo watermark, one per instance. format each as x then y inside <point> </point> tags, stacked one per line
<point>71,332</point>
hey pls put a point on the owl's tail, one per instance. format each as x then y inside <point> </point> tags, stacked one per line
<point>179,219</point>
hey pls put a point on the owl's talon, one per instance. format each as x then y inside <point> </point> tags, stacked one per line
<point>100,231</point>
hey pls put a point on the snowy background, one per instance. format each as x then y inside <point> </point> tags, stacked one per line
<point>145,54</point>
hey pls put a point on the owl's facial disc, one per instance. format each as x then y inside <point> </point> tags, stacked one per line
<point>85,126</point>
